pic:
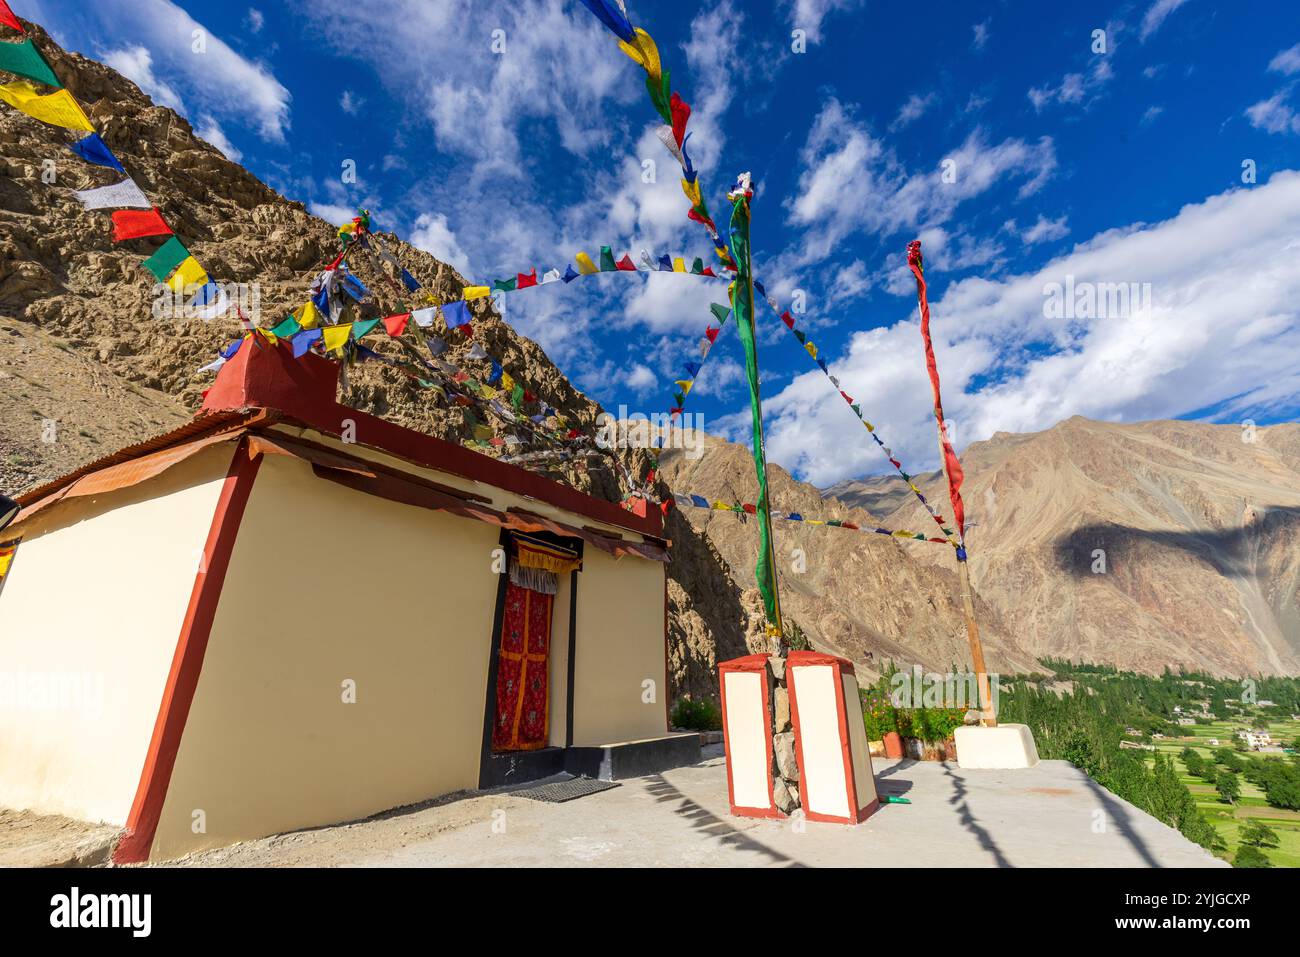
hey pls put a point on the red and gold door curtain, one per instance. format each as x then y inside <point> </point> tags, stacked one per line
<point>523,663</point>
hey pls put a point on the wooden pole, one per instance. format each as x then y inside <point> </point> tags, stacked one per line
<point>989,718</point>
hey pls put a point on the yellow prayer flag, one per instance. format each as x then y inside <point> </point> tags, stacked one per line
<point>57,109</point>
<point>336,336</point>
<point>585,265</point>
<point>720,506</point>
<point>308,316</point>
<point>644,52</point>
<point>811,349</point>
<point>686,385</point>
<point>188,273</point>
<point>476,292</point>
<point>679,264</point>
<point>507,382</point>
<point>692,191</point>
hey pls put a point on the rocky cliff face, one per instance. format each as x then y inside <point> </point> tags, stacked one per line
<point>1146,545</point>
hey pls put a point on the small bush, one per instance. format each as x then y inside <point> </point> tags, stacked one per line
<point>696,715</point>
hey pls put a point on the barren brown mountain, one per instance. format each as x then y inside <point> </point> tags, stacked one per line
<point>1147,545</point>
<point>858,594</point>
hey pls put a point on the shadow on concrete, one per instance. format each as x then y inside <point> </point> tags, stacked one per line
<point>709,823</point>
<point>1118,813</point>
<point>1230,551</point>
<point>967,818</point>
<point>887,785</point>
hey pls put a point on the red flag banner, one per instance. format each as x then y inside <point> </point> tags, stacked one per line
<point>132,224</point>
<point>951,464</point>
<point>8,19</point>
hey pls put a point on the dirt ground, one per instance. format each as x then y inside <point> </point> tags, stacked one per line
<point>40,840</point>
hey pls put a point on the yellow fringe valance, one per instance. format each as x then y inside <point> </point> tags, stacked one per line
<point>551,558</point>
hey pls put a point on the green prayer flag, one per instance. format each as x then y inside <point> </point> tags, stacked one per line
<point>286,327</point>
<point>25,60</point>
<point>720,312</point>
<point>607,260</point>
<point>505,285</point>
<point>164,262</point>
<point>742,304</point>
<point>697,267</point>
<point>517,396</point>
<point>363,327</point>
<point>681,399</point>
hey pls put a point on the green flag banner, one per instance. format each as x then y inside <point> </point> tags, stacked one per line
<point>25,60</point>
<point>742,304</point>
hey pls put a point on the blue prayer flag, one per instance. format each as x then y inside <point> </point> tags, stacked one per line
<point>302,341</point>
<point>456,314</point>
<point>94,150</point>
<point>410,281</point>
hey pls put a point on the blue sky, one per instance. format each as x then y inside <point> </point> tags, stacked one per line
<point>1019,144</point>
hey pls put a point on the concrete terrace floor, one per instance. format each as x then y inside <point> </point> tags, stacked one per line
<point>1049,816</point>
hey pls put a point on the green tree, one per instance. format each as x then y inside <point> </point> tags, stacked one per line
<point>1228,786</point>
<point>1257,834</point>
<point>1249,856</point>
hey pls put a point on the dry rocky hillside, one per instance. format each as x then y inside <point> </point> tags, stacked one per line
<point>1147,545</point>
<point>857,594</point>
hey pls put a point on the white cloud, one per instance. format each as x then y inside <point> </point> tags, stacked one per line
<point>136,64</point>
<point>913,109</point>
<point>1075,88</point>
<point>808,15</point>
<point>432,234</point>
<point>349,102</point>
<point>1149,117</point>
<point>210,130</point>
<point>1274,115</point>
<point>1286,62</point>
<point>1044,231</point>
<point>1155,16</point>
<point>640,379</point>
<point>255,20</point>
<point>981,31</point>
<point>1223,330</point>
<point>188,61</point>
<point>332,213</point>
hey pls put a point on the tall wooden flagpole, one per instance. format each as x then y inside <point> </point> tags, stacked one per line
<point>952,472</point>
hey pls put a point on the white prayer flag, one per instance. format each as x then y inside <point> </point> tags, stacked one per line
<point>123,195</point>
<point>424,317</point>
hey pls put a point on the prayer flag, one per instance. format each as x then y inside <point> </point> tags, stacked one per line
<point>609,12</point>
<point>189,274</point>
<point>310,316</point>
<point>24,59</point>
<point>94,150</point>
<point>424,317</point>
<point>302,342</point>
<point>626,264</point>
<point>8,19</point>
<point>125,194</point>
<point>455,314</point>
<point>585,265</point>
<point>476,292</point>
<point>396,325</point>
<point>286,328</point>
<point>551,275</point>
<point>526,280</point>
<point>336,336</point>
<point>607,260</point>
<point>57,109</point>
<point>164,262</point>
<point>363,327</point>
<point>128,224</point>
<point>569,274</point>
<point>409,281</point>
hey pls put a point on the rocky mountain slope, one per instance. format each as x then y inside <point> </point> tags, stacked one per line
<point>1146,545</point>
<point>867,597</point>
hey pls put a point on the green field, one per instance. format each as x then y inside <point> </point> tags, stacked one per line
<point>1228,819</point>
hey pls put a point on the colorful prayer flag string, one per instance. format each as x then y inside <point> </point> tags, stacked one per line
<point>746,508</point>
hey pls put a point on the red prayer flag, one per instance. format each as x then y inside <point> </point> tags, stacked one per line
<point>396,325</point>
<point>8,19</point>
<point>712,334</point>
<point>524,280</point>
<point>749,509</point>
<point>681,112</point>
<point>626,264</point>
<point>708,271</point>
<point>954,470</point>
<point>703,220</point>
<point>788,320</point>
<point>134,223</point>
